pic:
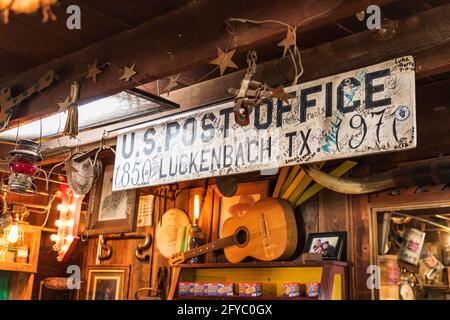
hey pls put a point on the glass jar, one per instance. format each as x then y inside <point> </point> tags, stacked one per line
<point>22,254</point>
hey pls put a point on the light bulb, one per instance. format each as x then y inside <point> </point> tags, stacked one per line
<point>196,207</point>
<point>54,237</point>
<point>59,223</point>
<point>69,223</point>
<point>61,207</point>
<point>72,207</point>
<point>65,248</point>
<point>13,234</point>
<point>69,238</point>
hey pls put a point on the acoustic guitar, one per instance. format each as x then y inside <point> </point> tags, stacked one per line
<point>266,232</point>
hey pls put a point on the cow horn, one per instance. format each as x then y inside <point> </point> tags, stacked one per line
<point>425,173</point>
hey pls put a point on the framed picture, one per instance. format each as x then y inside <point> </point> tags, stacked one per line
<point>108,282</point>
<point>111,212</point>
<point>226,207</point>
<point>328,244</point>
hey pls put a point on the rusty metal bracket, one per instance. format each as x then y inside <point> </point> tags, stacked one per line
<point>251,93</point>
<point>106,249</point>
<point>143,246</point>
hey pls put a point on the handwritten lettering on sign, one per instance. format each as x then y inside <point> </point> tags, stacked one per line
<point>365,111</point>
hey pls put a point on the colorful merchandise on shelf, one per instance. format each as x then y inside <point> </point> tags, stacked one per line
<point>254,289</point>
<point>312,289</point>
<point>291,290</point>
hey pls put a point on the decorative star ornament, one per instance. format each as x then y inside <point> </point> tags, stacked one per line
<point>93,71</point>
<point>279,93</point>
<point>128,73</point>
<point>63,105</point>
<point>224,60</point>
<point>288,41</point>
<point>173,82</point>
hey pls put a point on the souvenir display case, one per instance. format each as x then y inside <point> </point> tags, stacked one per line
<point>19,261</point>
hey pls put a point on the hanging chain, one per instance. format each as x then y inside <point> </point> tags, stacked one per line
<point>251,62</point>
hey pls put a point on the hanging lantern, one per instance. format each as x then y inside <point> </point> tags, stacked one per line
<point>23,166</point>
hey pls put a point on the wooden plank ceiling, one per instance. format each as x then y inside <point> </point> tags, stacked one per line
<point>141,31</point>
<point>26,42</point>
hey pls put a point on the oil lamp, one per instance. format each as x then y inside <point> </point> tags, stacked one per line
<point>196,237</point>
<point>23,166</point>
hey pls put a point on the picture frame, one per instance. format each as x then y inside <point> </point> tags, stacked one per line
<point>108,282</point>
<point>331,245</point>
<point>111,212</point>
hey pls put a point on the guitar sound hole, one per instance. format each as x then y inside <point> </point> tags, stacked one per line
<point>241,237</point>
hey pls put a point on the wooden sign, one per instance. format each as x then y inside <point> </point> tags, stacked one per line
<point>366,111</point>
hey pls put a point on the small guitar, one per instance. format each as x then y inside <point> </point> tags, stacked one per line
<point>266,232</point>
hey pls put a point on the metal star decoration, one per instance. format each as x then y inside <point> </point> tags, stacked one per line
<point>279,93</point>
<point>173,82</point>
<point>63,105</point>
<point>93,71</point>
<point>128,73</point>
<point>288,41</point>
<point>224,60</point>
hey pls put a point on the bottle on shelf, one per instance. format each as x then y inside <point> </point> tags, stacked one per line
<point>22,254</point>
<point>196,239</point>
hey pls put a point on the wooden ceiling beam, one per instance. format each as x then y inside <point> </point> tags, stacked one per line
<point>426,36</point>
<point>429,62</point>
<point>177,41</point>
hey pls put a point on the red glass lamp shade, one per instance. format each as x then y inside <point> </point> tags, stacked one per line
<point>23,164</point>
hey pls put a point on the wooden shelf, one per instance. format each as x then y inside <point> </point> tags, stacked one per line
<point>296,264</point>
<point>332,276</point>
<point>242,298</point>
<point>21,275</point>
<point>32,237</point>
<point>436,288</point>
<point>17,267</point>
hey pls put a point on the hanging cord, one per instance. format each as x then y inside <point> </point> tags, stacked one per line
<point>49,207</point>
<point>294,54</point>
<point>17,133</point>
<point>40,132</point>
<point>56,166</point>
<point>217,67</point>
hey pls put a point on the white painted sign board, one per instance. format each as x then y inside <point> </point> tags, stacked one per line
<point>366,111</point>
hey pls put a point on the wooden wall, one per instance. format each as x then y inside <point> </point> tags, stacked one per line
<point>331,211</point>
<point>327,211</point>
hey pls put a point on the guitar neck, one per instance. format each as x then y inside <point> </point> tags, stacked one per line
<point>212,246</point>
